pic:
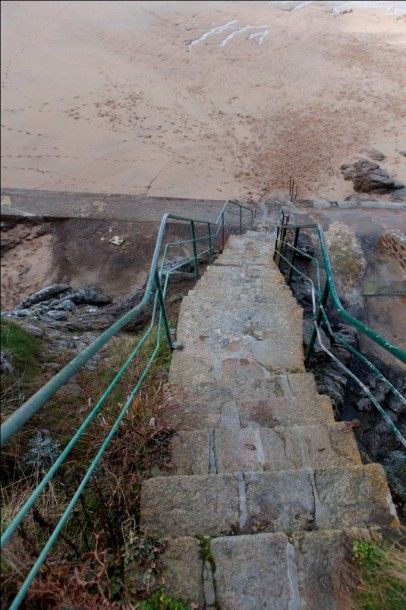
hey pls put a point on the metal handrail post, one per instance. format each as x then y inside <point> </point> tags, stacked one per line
<point>323,301</point>
<point>163,311</point>
<point>210,242</point>
<point>296,239</point>
<point>192,226</point>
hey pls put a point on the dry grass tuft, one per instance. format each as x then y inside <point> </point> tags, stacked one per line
<point>86,567</point>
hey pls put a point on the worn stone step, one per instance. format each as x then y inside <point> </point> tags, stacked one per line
<point>233,268</point>
<point>259,321</point>
<point>302,571</point>
<point>267,314</point>
<point>222,294</point>
<point>193,368</point>
<point>306,571</point>
<point>273,571</point>
<point>268,402</point>
<point>220,355</point>
<point>225,504</point>
<point>255,449</point>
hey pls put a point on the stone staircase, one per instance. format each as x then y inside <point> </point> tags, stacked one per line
<point>265,488</point>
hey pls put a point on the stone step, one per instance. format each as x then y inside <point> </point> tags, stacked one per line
<point>302,500</point>
<point>191,368</point>
<point>220,293</point>
<point>268,449</point>
<point>260,320</point>
<point>271,571</point>
<point>281,400</point>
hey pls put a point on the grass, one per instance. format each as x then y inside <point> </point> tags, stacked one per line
<point>87,565</point>
<point>23,352</point>
<point>382,575</point>
<point>160,601</point>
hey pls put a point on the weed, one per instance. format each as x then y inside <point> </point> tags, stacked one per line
<point>160,601</point>
<point>206,553</point>
<point>22,350</point>
<point>382,577</point>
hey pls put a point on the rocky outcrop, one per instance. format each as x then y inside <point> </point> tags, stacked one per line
<point>368,177</point>
<point>376,438</point>
<point>393,243</point>
<point>347,259</point>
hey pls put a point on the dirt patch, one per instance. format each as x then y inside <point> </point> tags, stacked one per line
<point>26,263</point>
<point>115,255</point>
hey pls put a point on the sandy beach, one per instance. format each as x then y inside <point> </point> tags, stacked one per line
<point>199,99</point>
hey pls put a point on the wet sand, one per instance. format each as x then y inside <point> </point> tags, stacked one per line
<point>113,97</point>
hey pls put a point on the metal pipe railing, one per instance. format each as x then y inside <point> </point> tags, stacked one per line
<point>27,410</point>
<point>17,420</point>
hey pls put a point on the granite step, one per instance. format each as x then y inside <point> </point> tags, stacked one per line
<point>257,460</point>
<point>250,502</point>
<point>270,401</point>
<point>272,571</point>
<point>262,449</point>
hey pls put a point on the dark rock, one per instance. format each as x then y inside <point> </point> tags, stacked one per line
<point>348,333</point>
<point>91,295</point>
<point>5,363</point>
<point>364,404</point>
<point>384,426</point>
<point>34,330</point>
<point>374,154</point>
<point>397,405</point>
<point>370,177</point>
<point>65,305</point>
<point>403,153</point>
<point>395,467</point>
<point>378,388</point>
<point>305,244</point>
<point>56,314</point>
<point>19,313</point>
<point>399,195</point>
<point>348,171</point>
<point>43,295</point>
<point>308,327</point>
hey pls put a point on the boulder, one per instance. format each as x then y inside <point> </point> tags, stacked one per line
<point>91,295</point>
<point>43,295</point>
<point>347,259</point>
<point>368,176</point>
<point>374,154</point>
<point>348,171</point>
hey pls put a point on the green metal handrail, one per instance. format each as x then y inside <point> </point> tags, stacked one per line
<point>330,288</point>
<point>319,299</point>
<point>33,404</point>
<point>156,292</point>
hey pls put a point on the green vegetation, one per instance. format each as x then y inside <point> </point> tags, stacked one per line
<point>22,351</point>
<point>205,552</point>
<point>21,347</point>
<point>93,546</point>
<point>382,568</point>
<point>160,601</point>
